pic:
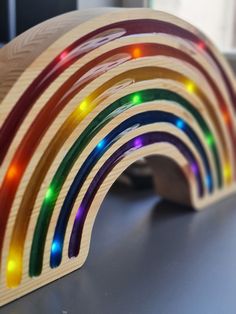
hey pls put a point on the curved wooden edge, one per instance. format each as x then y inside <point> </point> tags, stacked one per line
<point>168,176</point>
<point>19,54</point>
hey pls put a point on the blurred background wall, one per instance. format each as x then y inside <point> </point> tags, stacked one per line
<point>99,3</point>
<point>16,16</point>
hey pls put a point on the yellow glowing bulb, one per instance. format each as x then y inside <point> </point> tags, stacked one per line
<point>14,271</point>
<point>190,87</point>
<point>11,265</point>
<point>227,172</point>
<point>83,106</point>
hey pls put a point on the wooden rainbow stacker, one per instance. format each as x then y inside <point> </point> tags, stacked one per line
<point>85,95</point>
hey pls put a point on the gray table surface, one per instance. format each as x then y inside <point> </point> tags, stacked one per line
<point>148,256</point>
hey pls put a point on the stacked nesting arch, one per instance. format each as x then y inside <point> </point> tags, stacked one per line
<point>83,96</point>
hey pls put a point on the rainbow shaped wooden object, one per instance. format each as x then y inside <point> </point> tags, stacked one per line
<point>85,95</point>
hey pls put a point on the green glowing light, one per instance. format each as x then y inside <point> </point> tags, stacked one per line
<point>83,106</point>
<point>210,139</point>
<point>136,99</point>
<point>49,194</point>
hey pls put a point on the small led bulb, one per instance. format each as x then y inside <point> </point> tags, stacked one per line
<point>79,213</point>
<point>194,168</point>
<point>210,139</point>
<point>136,99</point>
<point>201,45</point>
<point>180,124</point>
<point>226,116</point>
<point>208,181</point>
<point>190,86</point>
<point>12,172</point>
<point>138,142</point>
<point>11,265</point>
<point>83,106</point>
<point>49,193</point>
<point>63,55</point>
<point>101,144</point>
<point>136,53</point>
<point>56,247</point>
<point>227,172</point>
